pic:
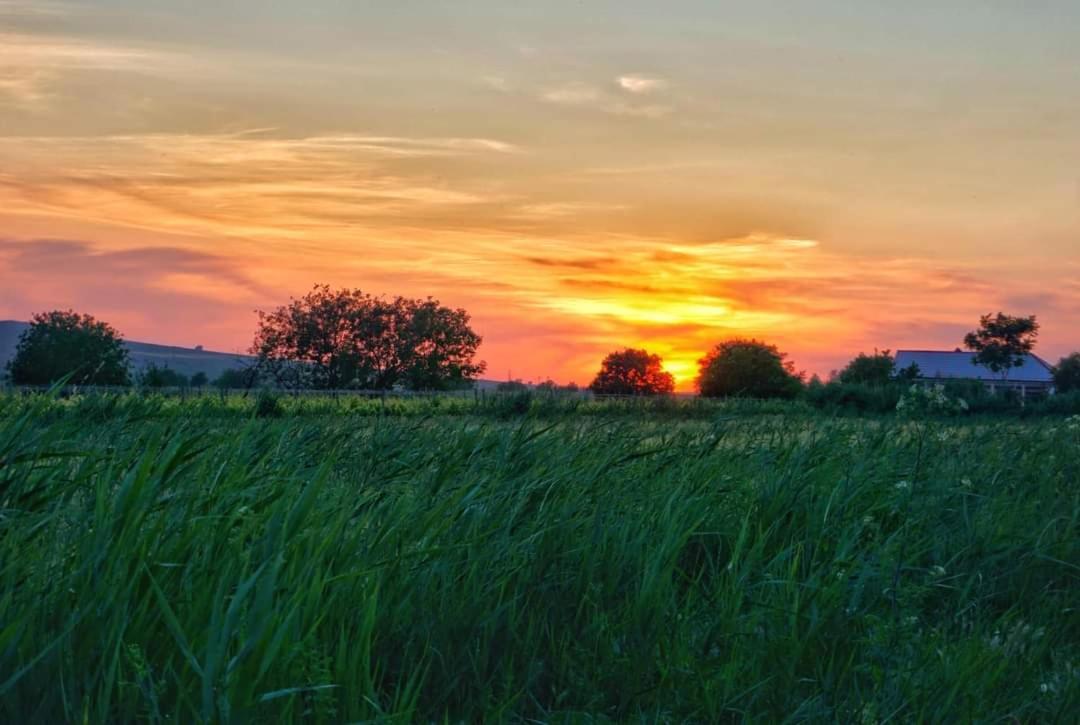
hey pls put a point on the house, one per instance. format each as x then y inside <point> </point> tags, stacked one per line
<point>1033,378</point>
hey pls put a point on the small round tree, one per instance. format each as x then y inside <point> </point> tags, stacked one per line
<point>632,372</point>
<point>1067,374</point>
<point>747,368</point>
<point>61,343</point>
<point>1002,341</point>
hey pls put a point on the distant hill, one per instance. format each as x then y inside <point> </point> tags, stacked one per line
<point>184,360</point>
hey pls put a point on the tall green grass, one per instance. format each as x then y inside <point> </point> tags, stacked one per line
<point>177,563</point>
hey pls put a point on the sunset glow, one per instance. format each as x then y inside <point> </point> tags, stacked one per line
<point>579,176</point>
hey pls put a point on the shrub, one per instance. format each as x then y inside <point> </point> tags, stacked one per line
<point>932,400</point>
<point>268,405</point>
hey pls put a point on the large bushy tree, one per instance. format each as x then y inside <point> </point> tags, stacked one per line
<point>1067,374</point>
<point>63,342</point>
<point>1001,341</point>
<point>747,368</point>
<point>632,372</point>
<point>876,369</point>
<point>345,338</point>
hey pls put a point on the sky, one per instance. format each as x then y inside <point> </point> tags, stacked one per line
<point>829,176</point>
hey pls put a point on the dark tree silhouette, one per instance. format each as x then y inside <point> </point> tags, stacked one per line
<point>60,342</point>
<point>876,369</point>
<point>161,376</point>
<point>632,372</point>
<point>200,380</point>
<point>747,368</point>
<point>348,339</point>
<point>239,378</point>
<point>1067,374</point>
<point>1002,341</point>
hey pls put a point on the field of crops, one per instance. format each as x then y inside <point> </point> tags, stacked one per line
<point>337,562</point>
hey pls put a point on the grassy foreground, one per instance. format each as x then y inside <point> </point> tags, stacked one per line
<point>334,568</point>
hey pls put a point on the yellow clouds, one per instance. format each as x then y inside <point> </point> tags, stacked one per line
<point>244,185</point>
<point>254,217</point>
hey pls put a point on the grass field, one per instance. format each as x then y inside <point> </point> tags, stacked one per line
<point>188,561</point>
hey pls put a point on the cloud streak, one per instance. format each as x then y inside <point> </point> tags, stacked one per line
<point>641,84</point>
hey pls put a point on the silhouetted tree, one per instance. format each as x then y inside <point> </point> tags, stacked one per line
<point>1067,374</point>
<point>346,338</point>
<point>155,376</point>
<point>747,368</point>
<point>200,380</point>
<point>511,386</point>
<point>876,369</point>
<point>632,372</point>
<point>61,342</point>
<point>1002,341</point>
<point>237,378</point>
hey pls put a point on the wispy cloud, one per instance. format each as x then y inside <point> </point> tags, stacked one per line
<point>583,95</point>
<point>32,65</point>
<point>178,290</point>
<point>314,191</point>
<point>641,83</point>
<point>35,9</point>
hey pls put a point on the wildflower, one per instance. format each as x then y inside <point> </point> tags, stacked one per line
<point>903,486</point>
<point>939,570</point>
<point>1044,688</point>
<point>966,483</point>
<point>867,520</point>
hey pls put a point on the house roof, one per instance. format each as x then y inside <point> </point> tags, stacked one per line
<point>940,364</point>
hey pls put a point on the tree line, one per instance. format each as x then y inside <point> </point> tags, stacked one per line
<point>348,339</point>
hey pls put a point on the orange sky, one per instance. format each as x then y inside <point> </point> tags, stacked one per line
<point>580,177</point>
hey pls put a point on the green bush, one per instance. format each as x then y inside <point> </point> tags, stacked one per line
<point>837,396</point>
<point>268,405</point>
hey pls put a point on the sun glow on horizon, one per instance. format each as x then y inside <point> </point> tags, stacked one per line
<point>172,172</point>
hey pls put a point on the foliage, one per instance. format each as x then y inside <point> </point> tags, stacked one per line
<point>922,400</point>
<point>511,386</point>
<point>200,380</point>
<point>908,373</point>
<point>747,368</point>
<point>1067,374</point>
<point>237,378</point>
<point>61,343</point>
<point>155,376</point>
<point>876,369</point>
<point>837,396</point>
<point>550,386</point>
<point>191,568</point>
<point>1002,341</point>
<point>333,339</point>
<point>268,405</point>
<point>632,372</point>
